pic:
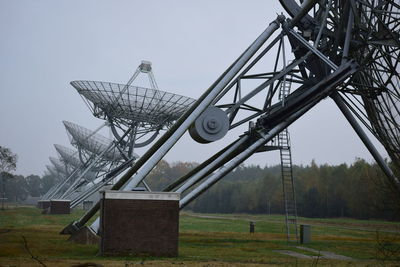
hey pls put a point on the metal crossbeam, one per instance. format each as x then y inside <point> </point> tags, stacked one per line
<point>350,47</point>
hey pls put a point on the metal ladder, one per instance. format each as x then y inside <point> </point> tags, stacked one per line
<point>287,172</point>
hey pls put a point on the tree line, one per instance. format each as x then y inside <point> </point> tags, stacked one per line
<point>359,190</point>
<point>16,188</point>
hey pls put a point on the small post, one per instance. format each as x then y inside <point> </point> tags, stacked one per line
<point>4,191</point>
<point>252,227</point>
<point>305,234</point>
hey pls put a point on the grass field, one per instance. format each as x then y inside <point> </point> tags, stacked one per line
<point>205,240</point>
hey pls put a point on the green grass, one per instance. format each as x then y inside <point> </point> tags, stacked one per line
<point>336,235</point>
<point>27,216</point>
<point>214,241</point>
<point>345,222</point>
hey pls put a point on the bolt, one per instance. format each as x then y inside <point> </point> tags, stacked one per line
<point>212,124</point>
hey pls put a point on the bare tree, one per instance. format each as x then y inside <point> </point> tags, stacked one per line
<point>8,160</point>
<point>8,163</point>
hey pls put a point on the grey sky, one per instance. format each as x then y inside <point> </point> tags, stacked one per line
<point>45,44</point>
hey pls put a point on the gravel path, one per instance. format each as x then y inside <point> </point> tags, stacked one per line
<point>322,254</point>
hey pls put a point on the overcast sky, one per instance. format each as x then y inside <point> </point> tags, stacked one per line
<point>45,44</point>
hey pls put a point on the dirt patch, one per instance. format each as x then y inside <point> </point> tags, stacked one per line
<point>320,254</point>
<point>295,254</point>
<point>327,254</point>
<point>3,231</point>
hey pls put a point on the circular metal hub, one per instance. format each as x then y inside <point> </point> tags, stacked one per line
<point>210,126</point>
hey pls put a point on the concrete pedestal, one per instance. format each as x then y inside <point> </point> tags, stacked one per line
<point>59,206</point>
<point>85,236</point>
<point>43,204</point>
<point>139,223</point>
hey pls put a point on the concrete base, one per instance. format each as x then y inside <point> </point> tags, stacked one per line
<point>85,236</point>
<point>139,223</point>
<point>71,228</point>
<point>58,206</point>
<point>43,204</point>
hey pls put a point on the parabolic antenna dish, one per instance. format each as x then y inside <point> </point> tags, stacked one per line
<point>68,155</point>
<point>132,103</point>
<point>375,46</point>
<point>51,170</point>
<point>92,142</point>
<point>378,52</point>
<point>59,165</point>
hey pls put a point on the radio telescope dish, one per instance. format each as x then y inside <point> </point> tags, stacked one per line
<point>68,155</point>
<point>60,166</point>
<point>375,46</point>
<point>134,110</point>
<point>91,141</point>
<point>345,50</point>
<point>93,159</point>
<point>134,114</point>
<point>129,104</point>
<point>51,170</point>
<point>71,157</point>
<point>379,80</point>
<point>137,111</point>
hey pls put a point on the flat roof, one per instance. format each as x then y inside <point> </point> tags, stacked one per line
<point>62,200</point>
<point>140,195</point>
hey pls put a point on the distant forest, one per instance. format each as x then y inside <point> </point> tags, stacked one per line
<point>358,190</point>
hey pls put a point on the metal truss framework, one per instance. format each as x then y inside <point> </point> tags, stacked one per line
<point>91,141</point>
<point>61,169</point>
<point>346,50</point>
<point>104,156</point>
<point>82,175</point>
<point>95,157</point>
<point>135,115</point>
<point>68,155</point>
<point>141,112</point>
<point>60,166</point>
